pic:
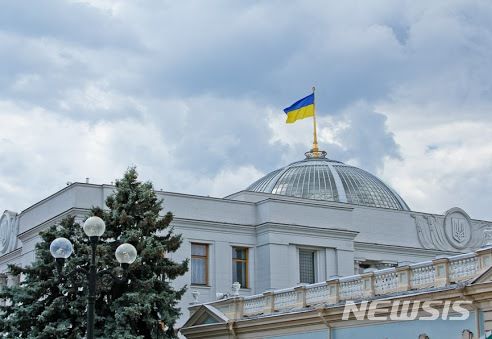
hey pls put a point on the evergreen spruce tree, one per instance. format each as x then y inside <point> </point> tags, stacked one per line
<point>44,306</point>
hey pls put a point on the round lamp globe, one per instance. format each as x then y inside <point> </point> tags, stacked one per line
<point>126,253</point>
<point>61,248</point>
<point>94,227</point>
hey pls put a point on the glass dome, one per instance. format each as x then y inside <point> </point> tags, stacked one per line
<point>324,179</point>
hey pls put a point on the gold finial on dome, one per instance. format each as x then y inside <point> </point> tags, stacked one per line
<point>315,127</point>
<point>315,152</point>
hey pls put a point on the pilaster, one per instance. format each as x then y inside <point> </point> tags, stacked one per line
<point>403,274</point>
<point>441,267</point>
<point>333,291</point>
<point>368,281</point>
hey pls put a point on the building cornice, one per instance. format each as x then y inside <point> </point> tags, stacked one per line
<point>418,251</point>
<point>303,202</point>
<point>34,231</point>
<point>202,197</point>
<point>108,186</point>
<point>333,204</point>
<point>306,230</point>
<point>63,190</point>
<point>11,255</point>
<point>479,291</point>
<point>193,224</point>
<point>268,197</point>
<point>297,200</point>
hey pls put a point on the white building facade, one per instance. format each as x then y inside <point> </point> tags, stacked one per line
<point>304,223</point>
<point>448,297</point>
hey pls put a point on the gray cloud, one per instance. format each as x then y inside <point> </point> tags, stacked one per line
<point>367,140</point>
<point>208,78</point>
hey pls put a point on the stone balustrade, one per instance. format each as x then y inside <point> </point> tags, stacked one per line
<point>436,273</point>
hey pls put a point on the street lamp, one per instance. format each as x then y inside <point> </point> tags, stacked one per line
<point>61,249</point>
<point>126,254</point>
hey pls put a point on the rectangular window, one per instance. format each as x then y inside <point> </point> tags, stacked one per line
<point>199,264</point>
<point>306,266</point>
<point>240,266</point>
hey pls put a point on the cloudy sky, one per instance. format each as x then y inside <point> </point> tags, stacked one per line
<point>192,93</point>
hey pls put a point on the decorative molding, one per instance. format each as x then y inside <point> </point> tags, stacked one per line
<point>78,213</point>
<point>61,191</point>
<point>315,203</point>
<point>163,194</point>
<point>271,197</point>
<point>194,224</point>
<point>384,248</point>
<point>11,256</point>
<point>276,198</point>
<point>306,230</point>
<point>160,193</point>
<point>9,228</point>
<point>455,231</point>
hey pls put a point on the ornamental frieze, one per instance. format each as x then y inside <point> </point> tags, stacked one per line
<point>453,231</point>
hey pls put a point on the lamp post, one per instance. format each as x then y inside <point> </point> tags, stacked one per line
<point>61,249</point>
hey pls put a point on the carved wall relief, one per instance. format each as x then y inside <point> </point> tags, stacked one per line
<point>453,231</point>
<point>9,227</point>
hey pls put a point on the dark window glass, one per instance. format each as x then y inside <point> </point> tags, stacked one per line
<point>306,266</point>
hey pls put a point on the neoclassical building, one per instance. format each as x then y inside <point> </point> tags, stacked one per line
<point>303,223</point>
<point>446,298</point>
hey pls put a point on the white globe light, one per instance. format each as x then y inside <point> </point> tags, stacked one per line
<point>94,227</point>
<point>126,254</point>
<point>61,248</point>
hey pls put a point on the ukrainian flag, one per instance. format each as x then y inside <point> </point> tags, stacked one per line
<point>301,109</point>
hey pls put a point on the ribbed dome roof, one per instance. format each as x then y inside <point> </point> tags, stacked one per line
<point>324,179</point>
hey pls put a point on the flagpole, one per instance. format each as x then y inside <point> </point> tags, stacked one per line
<point>315,149</point>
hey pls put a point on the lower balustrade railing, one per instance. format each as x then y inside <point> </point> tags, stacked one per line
<point>284,299</point>
<point>385,281</point>
<point>439,272</point>
<point>254,305</point>
<point>317,293</point>
<point>423,275</point>
<point>463,267</point>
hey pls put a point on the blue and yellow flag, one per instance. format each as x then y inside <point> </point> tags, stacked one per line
<point>301,109</point>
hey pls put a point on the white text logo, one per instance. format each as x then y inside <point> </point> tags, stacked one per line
<point>407,310</point>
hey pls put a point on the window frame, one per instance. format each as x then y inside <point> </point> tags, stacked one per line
<point>206,257</point>
<point>314,253</point>
<point>245,261</point>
